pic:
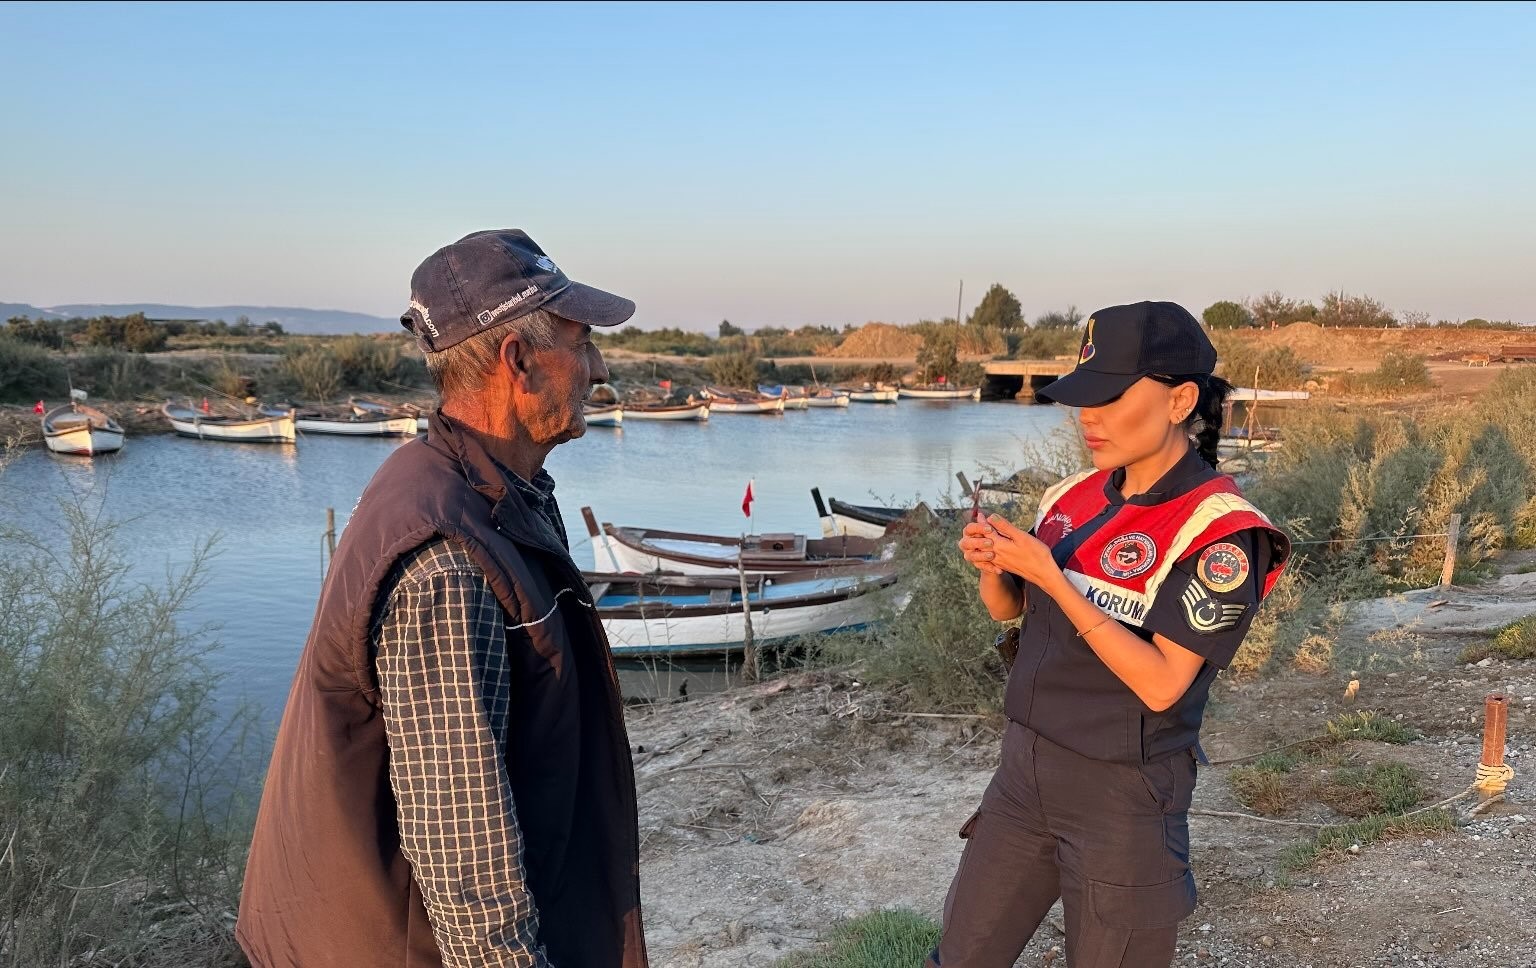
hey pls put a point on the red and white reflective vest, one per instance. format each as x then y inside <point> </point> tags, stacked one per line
<point>1122,566</point>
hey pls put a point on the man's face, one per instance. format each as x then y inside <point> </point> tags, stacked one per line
<point>559,382</point>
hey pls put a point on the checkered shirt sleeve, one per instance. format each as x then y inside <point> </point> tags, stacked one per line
<point>440,642</point>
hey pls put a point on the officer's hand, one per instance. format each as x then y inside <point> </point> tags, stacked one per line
<point>1017,551</point>
<point>976,545</point>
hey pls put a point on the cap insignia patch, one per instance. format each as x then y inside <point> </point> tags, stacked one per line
<point>1089,351</point>
<point>546,263</point>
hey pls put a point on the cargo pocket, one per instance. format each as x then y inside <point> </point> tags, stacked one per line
<point>969,827</point>
<point>1143,908</point>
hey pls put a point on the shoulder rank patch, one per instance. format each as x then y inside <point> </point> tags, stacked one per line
<point>1223,567</point>
<point>1205,614</point>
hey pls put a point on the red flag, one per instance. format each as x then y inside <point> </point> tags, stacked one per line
<point>665,384</point>
<point>746,501</point>
<point>943,379</point>
<point>38,407</point>
<point>205,404</point>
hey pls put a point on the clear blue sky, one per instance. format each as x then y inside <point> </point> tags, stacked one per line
<point>775,164</point>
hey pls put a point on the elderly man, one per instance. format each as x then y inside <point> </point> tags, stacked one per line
<point>452,782</point>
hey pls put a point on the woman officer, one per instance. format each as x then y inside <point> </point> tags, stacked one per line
<point>1136,586</point>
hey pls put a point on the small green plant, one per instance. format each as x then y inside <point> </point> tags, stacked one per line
<point>1336,841</point>
<point>881,939</point>
<point>734,369</point>
<point>1371,725</point>
<point>1516,640</point>
<point>1265,786</point>
<point>1382,788</point>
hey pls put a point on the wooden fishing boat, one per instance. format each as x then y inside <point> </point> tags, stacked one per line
<point>648,550</point>
<point>941,391</point>
<point>78,429</point>
<point>611,415</point>
<point>870,520</point>
<point>262,429</point>
<point>371,424</point>
<point>666,411</point>
<point>827,398</point>
<point>874,393</point>
<point>674,615</point>
<point>794,397</point>
<point>742,401</point>
<point>363,407</point>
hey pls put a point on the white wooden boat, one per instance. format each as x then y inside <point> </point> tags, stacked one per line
<point>840,518</point>
<point>649,550</point>
<point>263,429</point>
<point>371,424</point>
<point>609,416</point>
<point>78,429</point>
<point>674,615</point>
<point>941,391</point>
<point>794,397</point>
<point>874,393</point>
<point>663,411</point>
<point>742,401</point>
<point>828,398</point>
<point>363,407</point>
<point>1250,395</point>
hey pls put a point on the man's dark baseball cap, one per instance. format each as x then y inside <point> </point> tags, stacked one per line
<point>1122,344</point>
<point>491,277</point>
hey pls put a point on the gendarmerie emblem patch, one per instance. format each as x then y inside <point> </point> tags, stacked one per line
<point>1128,556</point>
<point>1205,614</point>
<point>1223,567</point>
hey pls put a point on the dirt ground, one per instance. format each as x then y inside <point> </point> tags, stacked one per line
<point>770,812</point>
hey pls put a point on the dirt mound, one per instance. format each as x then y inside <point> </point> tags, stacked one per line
<point>879,340</point>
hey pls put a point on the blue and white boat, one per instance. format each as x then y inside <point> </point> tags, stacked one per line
<point>678,615</point>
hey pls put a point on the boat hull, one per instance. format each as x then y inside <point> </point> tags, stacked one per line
<point>700,412</point>
<point>718,405</point>
<point>388,427</point>
<point>671,617</point>
<point>613,549</point>
<point>836,400</point>
<point>81,431</point>
<point>604,416</point>
<point>262,430</point>
<point>873,396</point>
<point>958,393</point>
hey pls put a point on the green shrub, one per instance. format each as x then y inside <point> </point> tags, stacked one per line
<point>314,370</point>
<point>1514,641</point>
<point>1248,364</point>
<point>734,370</point>
<point>1043,343</point>
<point>366,363</point>
<point>1226,314</point>
<point>29,372</point>
<point>119,850</point>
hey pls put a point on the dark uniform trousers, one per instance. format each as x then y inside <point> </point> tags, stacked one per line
<point>1110,839</point>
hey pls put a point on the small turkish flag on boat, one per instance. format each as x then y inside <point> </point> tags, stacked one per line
<point>746,501</point>
<point>38,407</point>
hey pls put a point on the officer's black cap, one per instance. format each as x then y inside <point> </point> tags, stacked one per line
<point>492,277</point>
<point>1122,344</point>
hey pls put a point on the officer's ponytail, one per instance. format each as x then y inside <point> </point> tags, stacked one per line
<point>1204,422</point>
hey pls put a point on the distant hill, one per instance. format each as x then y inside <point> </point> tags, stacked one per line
<point>293,319</point>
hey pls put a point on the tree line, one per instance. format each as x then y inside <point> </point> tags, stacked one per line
<point>134,333</point>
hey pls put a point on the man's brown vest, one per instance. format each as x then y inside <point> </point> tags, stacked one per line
<point>326,885</point>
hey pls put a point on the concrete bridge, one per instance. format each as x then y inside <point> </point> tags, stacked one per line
<point>1019,379</point>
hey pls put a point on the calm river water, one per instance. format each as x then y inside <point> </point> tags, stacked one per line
<point>265,504</point>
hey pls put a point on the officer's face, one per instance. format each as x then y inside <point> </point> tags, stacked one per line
<point>1141,423</point>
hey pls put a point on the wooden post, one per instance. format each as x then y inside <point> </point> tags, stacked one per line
<point>748,647</point>
<point>1452,539</point>
<point>1492,774</point>
<point>330,531</point>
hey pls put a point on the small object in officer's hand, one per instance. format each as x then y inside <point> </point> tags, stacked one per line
<point>976,514</point>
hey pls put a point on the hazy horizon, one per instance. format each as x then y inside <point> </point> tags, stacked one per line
<point>783,165</point>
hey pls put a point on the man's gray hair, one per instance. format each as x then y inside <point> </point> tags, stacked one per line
<point>461,369</point>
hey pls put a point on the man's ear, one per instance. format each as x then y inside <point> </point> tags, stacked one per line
<point>517,357</point>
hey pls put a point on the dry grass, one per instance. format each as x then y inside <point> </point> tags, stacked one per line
<point>1516,640</point>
